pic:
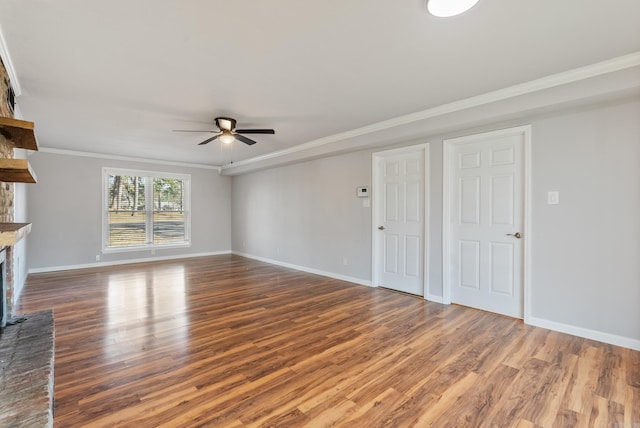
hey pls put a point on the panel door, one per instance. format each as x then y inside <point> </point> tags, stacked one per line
<point>486,224</point>
<point>400,265</point>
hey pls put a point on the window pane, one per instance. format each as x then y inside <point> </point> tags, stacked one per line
<point>127,215</point>
<point>168,194</point>
<point>127,228</point>
<point>168,211</point>
<point>168,227</point>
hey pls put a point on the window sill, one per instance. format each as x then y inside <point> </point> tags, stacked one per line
<point>110,250</point>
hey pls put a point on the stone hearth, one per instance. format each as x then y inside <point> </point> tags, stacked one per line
<point>26,372</point>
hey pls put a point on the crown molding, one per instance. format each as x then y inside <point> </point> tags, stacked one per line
<point>8,64</point>
<point>126,158</point>
<point>548,82</point>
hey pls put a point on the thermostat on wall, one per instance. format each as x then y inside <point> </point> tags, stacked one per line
<point>363,192</point>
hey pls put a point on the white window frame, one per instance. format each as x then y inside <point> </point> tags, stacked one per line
<point>186,178</point>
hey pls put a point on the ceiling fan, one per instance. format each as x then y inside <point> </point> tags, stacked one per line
<point>227,132</point>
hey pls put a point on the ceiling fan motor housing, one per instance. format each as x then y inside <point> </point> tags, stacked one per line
<point>225,123</point>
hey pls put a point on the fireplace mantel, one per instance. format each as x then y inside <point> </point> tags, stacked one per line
<point>10,233</point>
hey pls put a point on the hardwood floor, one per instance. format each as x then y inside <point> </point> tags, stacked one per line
<point>228,341</point>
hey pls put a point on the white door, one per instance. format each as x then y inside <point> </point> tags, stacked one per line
<point>399,219</point>
<point>484,190</point>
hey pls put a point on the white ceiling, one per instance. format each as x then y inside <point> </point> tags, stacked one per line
<point>116,77</point>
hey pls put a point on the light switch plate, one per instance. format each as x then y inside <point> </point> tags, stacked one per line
<point>553,197</point>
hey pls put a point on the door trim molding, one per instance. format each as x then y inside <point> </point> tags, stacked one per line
<point>447,148</point>
<point>375,219</point>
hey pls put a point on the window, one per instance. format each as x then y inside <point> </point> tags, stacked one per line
<point>144,209</point>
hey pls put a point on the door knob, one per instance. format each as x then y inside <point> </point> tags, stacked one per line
<point>381,227</point>
<point>515,235</point>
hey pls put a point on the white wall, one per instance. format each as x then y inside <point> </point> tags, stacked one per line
<point>585,251</point>
<point>65,209</point>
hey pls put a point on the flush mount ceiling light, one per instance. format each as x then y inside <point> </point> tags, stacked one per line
<point>447,8</point>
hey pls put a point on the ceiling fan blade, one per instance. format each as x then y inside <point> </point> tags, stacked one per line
<point>207,141</point>
<point>255,131</point>
<point>191,130</point>
<point>244,139</point>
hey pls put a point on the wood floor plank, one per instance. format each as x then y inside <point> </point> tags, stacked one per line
<point>543,407</point>
<point>606,413</point>
<point>226,341</point>
<point>632,363</point>
<point>447,399</point>
<point>580,392</point>
<point>528,385</point>
<point>611,381</point>
<point>523,423</point>
<point>632,406</point>
<point>373,412</point>
<point>471,409</point>
<point>566,418</point>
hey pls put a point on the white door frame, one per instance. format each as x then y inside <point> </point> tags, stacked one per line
<point>448,146</point>
<point>376,211</point>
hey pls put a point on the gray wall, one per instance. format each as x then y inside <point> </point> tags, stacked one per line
<point>65,209</point>
<point>307,214</point>
<point>585,251</point>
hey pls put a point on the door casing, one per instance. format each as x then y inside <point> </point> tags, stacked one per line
<point>377,213</point>
<point>448,145</point>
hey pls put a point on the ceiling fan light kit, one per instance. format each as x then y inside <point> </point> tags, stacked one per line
<point>227,137</point>
<point>227,132</point>
<point>448,8</point>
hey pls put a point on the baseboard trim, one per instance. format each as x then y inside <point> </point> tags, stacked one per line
<point>600,336</point>
<point>358,281</point>
<point>124,262</point>
<point>433,298</point>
